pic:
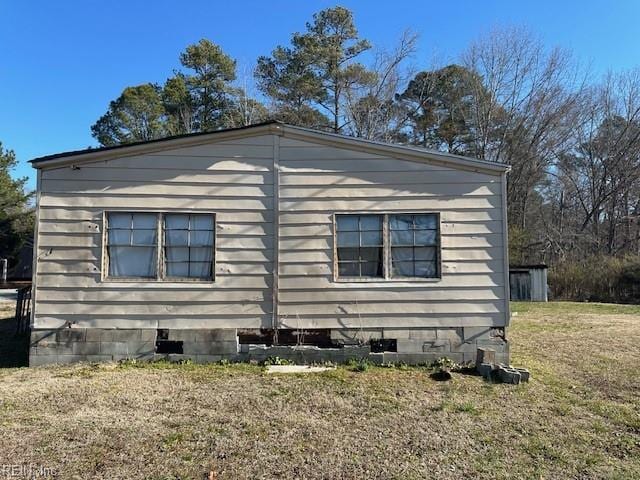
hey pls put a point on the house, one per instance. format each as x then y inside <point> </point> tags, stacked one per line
<point>269,240</point>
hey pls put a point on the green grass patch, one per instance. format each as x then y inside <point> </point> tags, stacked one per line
<point>564,308</point>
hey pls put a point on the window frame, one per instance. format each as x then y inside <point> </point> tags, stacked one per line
<point>161,276</point>
<point>387,276</point>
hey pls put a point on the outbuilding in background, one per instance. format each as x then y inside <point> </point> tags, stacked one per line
<point>528,283</point>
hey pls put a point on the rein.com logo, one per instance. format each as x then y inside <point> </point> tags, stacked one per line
<point>27,471</point>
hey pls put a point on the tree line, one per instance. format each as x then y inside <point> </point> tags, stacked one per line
<point>572,140</point>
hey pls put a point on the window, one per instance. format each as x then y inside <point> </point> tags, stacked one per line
<point>186,245</point>
<point>360,246</point>
<point>414,245</point>
<point>387,246</point>
<point>131,244</point>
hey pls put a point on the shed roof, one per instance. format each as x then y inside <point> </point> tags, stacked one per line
<point>273,127</point>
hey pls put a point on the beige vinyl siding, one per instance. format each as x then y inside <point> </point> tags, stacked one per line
<point>318,181</point>
<point>233,179</point>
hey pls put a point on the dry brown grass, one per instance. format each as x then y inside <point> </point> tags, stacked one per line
<point>578,418</point>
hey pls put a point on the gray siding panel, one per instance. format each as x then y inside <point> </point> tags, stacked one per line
<point>236,180</point>
<point>318,181</point>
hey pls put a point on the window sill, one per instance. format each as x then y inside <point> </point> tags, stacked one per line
<point>152,281</point>
<point>386,281</point>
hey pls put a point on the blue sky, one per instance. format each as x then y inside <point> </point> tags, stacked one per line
<point>62,61</point>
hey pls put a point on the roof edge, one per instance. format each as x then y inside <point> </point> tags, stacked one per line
<point>269,127</point>
<point>187,139</point>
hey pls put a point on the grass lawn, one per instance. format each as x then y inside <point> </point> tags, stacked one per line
<point>579,417</point>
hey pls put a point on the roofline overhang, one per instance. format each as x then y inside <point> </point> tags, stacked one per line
<point>271,127</point>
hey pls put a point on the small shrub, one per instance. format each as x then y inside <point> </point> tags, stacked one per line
<point>277,361</point>
<point>359,365</point>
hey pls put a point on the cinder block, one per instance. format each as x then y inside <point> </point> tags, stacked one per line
<point>436,346</point>
<point>464,347</point>
<point>454,334</point>
<point>524,374</point>
<point>356,350</point>
<point>116,348</point>
<point>220,335</point>
<point>193,348</point>
<point>509,375</point>
<point>225,347</point>
<point>397,333</point>
<point>127,335</point>
<point>423,334</point>
<point>411,346</point>
<point>377,358</point>
<point>469,357</point>
<point>93,335</point>
<point>473,334</point>
<point>485,355</point>
<point>147,335</point>
<point>70,335</point>
<point>98,358</point>
<point>86,348</point>
<point>37,360</point>
<point>42,335</point>
<point>484,369</point>
<point>208,358</point>
<point>357,335</point>
<point>54,349</point>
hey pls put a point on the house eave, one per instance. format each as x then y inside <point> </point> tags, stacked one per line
<point>273,127</point>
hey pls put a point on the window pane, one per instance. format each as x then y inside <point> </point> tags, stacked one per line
<point>403,269</point>
<point>119,237</point>
<point>402,254</point>
<point>425,222</point>
<point>177,237</point>
<point>347,223</point>
<point>348,254</point>
<point>119,220</point>
<point>145,220</point>
<point>201,222</point>
<point>348,239</point>
<point>177,254</point>
<point>359,240</point>
<point>371,238</point>
<point>400,222</point>
<point>176,221</point>
<point>371,269</point>
<point>200,269</point>
<point>371,254</point>
<point>425,253</point>
<point>202,254</point>
<point>348,270</point>
<point>144,237</point>
<point>401,237</point>
<point>371,222</point>
<point>178,269</point>
<point>426,269</point>
<point>132,262</point>
<point>189,242</point>
<point>201,238</point>
<point>426,237</point>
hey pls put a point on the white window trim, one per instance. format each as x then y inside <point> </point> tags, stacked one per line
<point>160,263</point>
<point>386,254</point>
